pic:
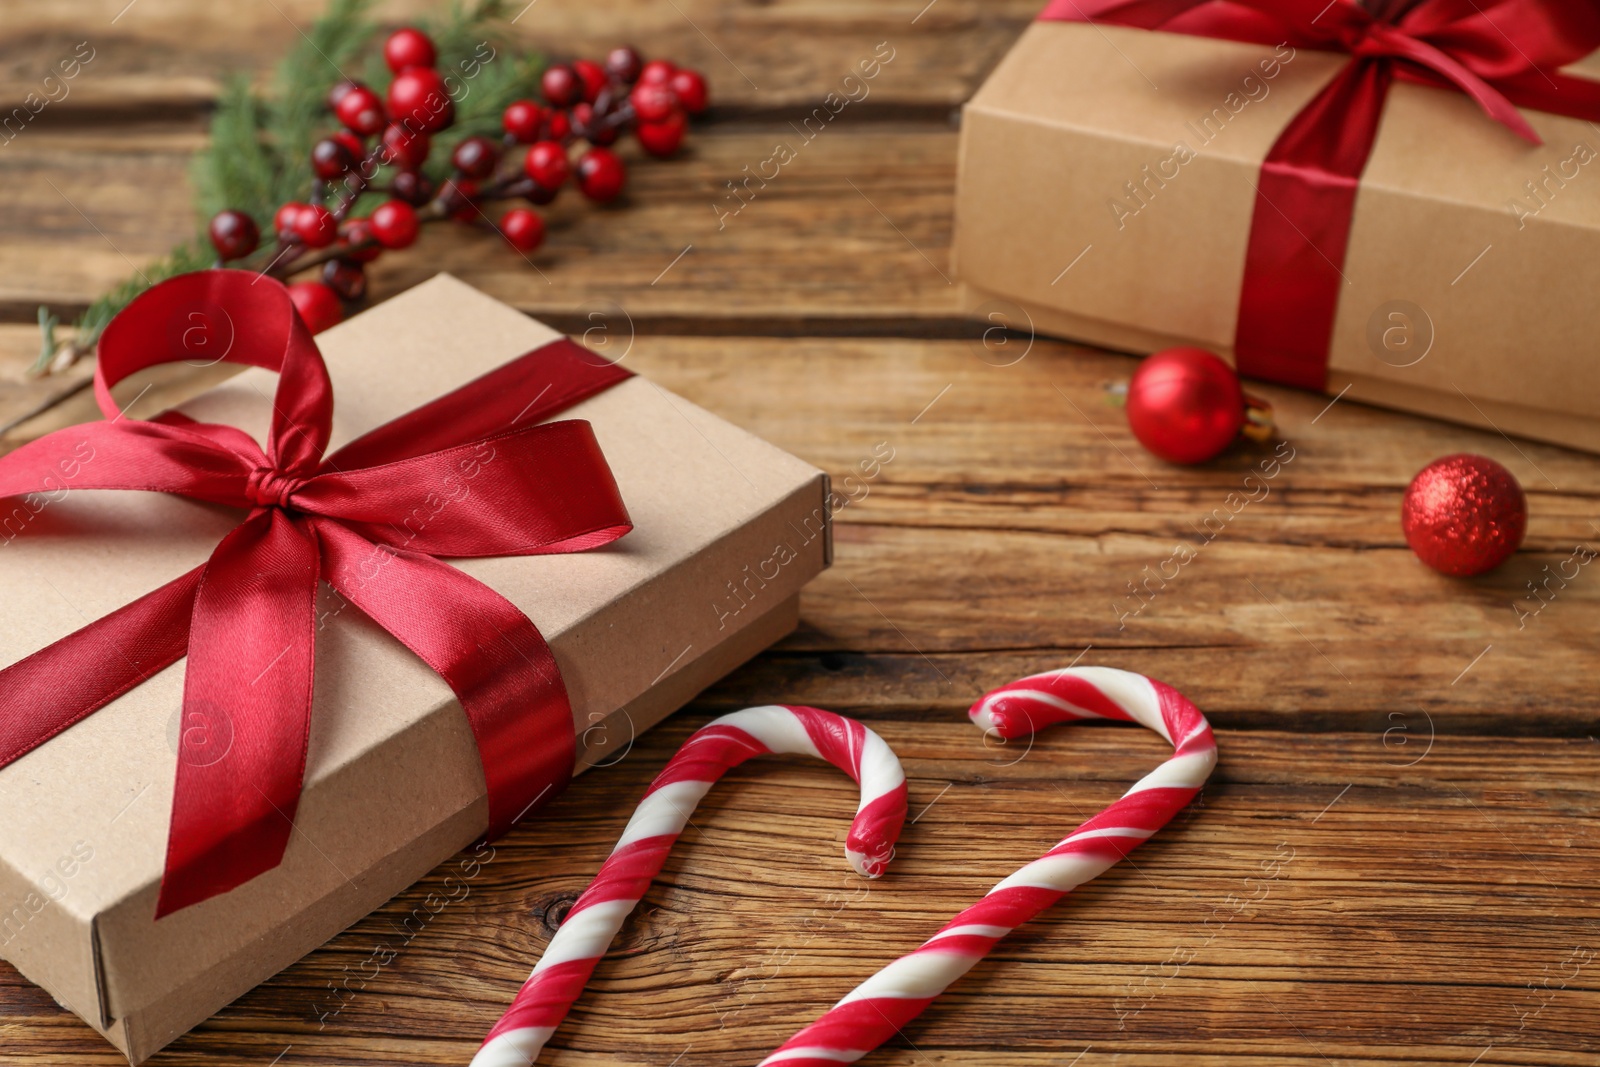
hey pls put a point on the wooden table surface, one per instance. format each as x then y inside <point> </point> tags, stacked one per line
<point>1396,859</point>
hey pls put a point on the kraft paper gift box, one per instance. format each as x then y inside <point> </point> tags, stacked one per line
<point>1107,180</point>
<point>393,784</point>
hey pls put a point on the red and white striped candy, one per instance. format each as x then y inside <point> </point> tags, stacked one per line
<point>894,996</point>
<point>594,920</point>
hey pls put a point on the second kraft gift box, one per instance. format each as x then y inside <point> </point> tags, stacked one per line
<point>726,530</point>
<point>1112,185</point>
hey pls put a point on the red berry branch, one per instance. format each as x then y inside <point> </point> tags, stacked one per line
<point>584,101</point>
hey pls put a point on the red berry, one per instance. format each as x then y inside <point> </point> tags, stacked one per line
<point>417,97</point>
<point>283,221</point>
<point>662,138</point>
<point>623,64</point>
<point>234,234</point>
<point>409,48</point>
<point>315,226</point>
<point>460,198</point>
<point>394,224</point>
<point>330,159</point>
<point>359,232</point>
<point>522,120</point>
<point>360,110</point>
<point>412,186</point>
<point>652,102</point>
<point>586,123</point>
<point>357,147</point>
<point>523,228</point>
<point>405,148</point>
<point>561,86</point>
<point>593,77</point>
<point>690,88</point>
<point>657,72</point>
<point>547,164</point>
<point>560,125</point>
<point>476,157</point>
<point>336,94</point>
<point>345,278</point>
<point>317,304</point>
<point>601,175</point>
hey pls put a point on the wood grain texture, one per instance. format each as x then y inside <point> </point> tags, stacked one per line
<point>812,246</point>
<point>1395,860</point>
<point>172,55</point>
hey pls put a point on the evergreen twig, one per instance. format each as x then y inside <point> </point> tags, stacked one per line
<point>256,157</point>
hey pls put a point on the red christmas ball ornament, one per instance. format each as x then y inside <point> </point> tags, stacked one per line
<point>409,48</point>
<point>1464,514</point>
<point>317,304</point>
<point>1185,405</point>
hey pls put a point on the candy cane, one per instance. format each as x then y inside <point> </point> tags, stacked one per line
<point>894,996</point>
<point>710,752</point>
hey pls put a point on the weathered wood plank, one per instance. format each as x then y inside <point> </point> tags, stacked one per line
<point>83,215</point>
<point>1322,903</point>
<point>174,54</point>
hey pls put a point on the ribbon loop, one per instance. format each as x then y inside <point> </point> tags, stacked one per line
<point>371,521</point>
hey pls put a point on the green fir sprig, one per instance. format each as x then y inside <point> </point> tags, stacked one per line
<point>257,156</point>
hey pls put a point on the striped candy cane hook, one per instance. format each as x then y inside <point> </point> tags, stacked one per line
<point>894,996</point>
<point>710,752</point>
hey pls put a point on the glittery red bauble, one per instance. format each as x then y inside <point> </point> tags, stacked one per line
<point>1464,514</point>
<point>1185,404</point>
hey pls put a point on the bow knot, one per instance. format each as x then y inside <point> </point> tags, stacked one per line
<point>268,487</point>
<point>1369,38</point>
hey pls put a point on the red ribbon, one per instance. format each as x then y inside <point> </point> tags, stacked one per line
<point>469,474</point>
<point>1504,54</point>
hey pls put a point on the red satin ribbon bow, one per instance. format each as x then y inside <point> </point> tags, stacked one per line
<point>469,474</point>
<point>1504,54</point>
